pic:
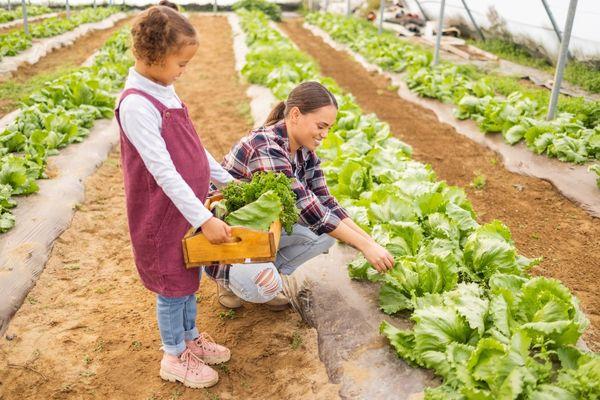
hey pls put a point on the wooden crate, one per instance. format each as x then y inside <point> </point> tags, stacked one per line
<point>248,245</point>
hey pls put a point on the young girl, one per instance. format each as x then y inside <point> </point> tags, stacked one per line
<point>287,144</point>
<point>167,172</point>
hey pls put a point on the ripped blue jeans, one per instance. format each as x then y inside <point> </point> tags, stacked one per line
<point>260,283</point>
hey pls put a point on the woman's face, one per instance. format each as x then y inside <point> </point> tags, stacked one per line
<point>310,129</point>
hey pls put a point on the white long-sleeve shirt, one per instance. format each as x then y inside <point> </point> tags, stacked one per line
<point>142,124</point>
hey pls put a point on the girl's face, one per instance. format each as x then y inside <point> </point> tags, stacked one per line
<point>310,129</point>
<point>172,67</point>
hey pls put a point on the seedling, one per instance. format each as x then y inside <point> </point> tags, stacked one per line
<point>229,314</point>
<point>479,182</point>
<point>296,340</point>
<point>136,345</point>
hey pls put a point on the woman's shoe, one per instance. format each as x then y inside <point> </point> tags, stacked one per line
<point>279,303</point>
<point>227,298</point>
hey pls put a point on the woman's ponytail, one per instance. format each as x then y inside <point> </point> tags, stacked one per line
<point>276,114</point>
<point>307,96</point>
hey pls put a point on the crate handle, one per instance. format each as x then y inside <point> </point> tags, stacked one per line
<point>234,240</point>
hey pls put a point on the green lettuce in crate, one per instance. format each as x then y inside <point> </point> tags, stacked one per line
<point>259,214</point>
<point>239,194</point>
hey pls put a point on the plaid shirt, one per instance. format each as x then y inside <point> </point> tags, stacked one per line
<point>268,149</point>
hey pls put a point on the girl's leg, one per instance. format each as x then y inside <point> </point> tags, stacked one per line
<point>255,283</point>
<point>189,316</point>
<point>189,319</point>
<point>299,247</point>
<point>180,362</point>
<point>169,312</point>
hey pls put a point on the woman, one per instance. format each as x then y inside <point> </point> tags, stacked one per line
<point>287,143</point>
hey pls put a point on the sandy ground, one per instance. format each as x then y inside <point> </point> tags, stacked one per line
<point>542,221</point>
<point>88,328</point>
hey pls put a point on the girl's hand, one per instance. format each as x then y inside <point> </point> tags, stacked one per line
<point>378,257</point>
<point>216,231</point>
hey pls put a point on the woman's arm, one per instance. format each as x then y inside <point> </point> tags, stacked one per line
<point>218,175</point>
<point>352,225</point>
<point>375,254</point>
<point>347,231</point>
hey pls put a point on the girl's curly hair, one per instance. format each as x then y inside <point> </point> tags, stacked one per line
<point>159,31</point>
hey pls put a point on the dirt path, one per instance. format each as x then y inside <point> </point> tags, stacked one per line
<point>88,328</point>
<point>31,76</point>
<point>542,221</point>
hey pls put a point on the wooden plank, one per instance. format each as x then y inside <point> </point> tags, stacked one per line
<point>457,51</point>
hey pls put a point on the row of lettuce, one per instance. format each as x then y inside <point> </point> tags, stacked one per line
<point>16,41</point>
<point>496,103</point>
<point>59,114</point>
<point>480,321</point>
<point>17,12</point>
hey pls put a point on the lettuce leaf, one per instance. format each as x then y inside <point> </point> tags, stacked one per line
<point>259,214</point>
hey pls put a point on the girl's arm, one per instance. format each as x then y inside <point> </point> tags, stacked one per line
<point>141,124</point>
<point>218,175</point>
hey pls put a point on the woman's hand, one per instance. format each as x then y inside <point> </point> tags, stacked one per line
<point>378,256</point>
<point>216,231</point>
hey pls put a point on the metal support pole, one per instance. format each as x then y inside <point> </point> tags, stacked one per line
<point>554,24</point>
<point>438,37</point>
<point>68,9</point>
<point>381,7</point>
<point>94,3</point>
<point>310,5</point>
<point>422,11</point>
<point>8,5</point>
<point>562,59</point>
<point>25,24</point>
<point>326,6</point>
<point>473,20</point>
<point>215,6</point>
<point>348,8</point>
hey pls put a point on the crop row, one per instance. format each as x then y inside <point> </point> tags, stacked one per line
<point>480,321</point>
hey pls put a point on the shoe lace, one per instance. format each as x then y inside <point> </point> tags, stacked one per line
<point>193,362</point>
<point>206,341</point>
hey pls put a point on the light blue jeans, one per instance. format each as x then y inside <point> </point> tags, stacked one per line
<point>260,283</point>
<point>176,322</point>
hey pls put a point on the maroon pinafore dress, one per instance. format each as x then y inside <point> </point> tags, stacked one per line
<point>156,226</point>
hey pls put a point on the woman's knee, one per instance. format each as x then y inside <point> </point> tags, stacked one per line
<point>256,283</point>
<point>268,283</point>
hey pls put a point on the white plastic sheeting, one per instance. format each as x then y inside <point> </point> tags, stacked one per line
<point>261,98</point>
<point>43,216</point>
<point>19,21</point>
<point>527,21</point>
<point>44,46</point>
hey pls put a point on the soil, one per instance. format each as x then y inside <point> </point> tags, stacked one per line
<point>88,329</point>
<point>65,57</point>
<point>542,221</point>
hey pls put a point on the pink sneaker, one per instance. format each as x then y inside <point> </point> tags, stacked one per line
<point>189,370</point>
<point>206,349</point>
